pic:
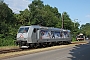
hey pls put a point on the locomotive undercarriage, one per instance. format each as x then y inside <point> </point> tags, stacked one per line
<point>24,44</point>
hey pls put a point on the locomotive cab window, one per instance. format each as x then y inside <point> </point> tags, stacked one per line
<point>23,30</point>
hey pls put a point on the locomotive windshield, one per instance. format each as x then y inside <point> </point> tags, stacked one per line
<point>23,30</point>
<point>80,36</point>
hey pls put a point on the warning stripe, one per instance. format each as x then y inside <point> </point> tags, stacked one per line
<point>21,36</point>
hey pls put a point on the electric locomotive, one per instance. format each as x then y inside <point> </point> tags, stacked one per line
<point>35,35</point>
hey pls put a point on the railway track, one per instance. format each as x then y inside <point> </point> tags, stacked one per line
<point>4,51</point>
<point>10,50</point>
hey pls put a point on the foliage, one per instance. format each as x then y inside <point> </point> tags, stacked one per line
<point>73,39</point>
<point>7,41</point>
<point>43,14</point>
<point>85,29</point>
<point>7,22</point>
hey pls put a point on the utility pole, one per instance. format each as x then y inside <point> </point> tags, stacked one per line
<point>62,21</point>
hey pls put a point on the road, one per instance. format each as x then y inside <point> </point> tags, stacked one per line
<point>78,52</point>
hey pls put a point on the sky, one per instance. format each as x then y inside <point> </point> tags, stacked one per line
<point>76,9</point>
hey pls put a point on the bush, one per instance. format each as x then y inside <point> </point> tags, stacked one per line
<point>7,42</point>
<point>73,39</point>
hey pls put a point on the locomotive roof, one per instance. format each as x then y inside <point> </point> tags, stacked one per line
<point>42,27</point>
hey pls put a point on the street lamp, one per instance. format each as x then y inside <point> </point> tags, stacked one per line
<point>75,22</point>
<point>79,25</point>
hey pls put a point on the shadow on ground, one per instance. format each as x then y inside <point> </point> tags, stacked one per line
<point>80,52</point>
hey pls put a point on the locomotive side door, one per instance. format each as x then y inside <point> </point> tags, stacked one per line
<point>35,35</point>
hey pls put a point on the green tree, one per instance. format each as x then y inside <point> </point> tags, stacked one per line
<point>43,14</point>
<point>7,25</point>
<point>85,29</point>
<point>23,18</point>
<point>7,19</point>
<point>35,8</point>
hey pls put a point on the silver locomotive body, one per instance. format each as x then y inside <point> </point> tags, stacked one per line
<point>35,35</point>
